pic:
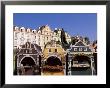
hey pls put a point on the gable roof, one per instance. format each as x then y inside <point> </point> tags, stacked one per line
<point>80,47</point>
<point>28,46</point>
<point>80,43</point>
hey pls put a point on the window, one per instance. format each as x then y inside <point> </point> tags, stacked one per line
<point>75,49</point>
<point>55,50</point>
<point>47,38</point>
<point>27,51</point>
<point>22,38</point>
<point>15,34</point>
<point>49,50</point>
<point>30,50</point>
<point>15,42</point>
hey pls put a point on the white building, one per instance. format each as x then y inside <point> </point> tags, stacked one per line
<point>37,36</point>
<point>57,35</point>
<point>45,35</point>
<point>22,35</point>
<point>68,37</point>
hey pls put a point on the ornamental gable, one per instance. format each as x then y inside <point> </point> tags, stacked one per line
<point>80,43</point>
<point>80,47</point>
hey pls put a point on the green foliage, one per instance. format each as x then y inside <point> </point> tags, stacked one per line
<point>94,42</point>
<point>58,42</point>
<point>87,40</point>
<point>65,45</point>
<point>73,40</point>
<point>63,39</point>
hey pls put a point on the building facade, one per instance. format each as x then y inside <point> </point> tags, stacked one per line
<point>45,35</point>
<point>54,59</point>
<point>28,60</point>
<point>40,36</point>
<point>54,48</point>
<point>68,37</point>
<point>80,56</point>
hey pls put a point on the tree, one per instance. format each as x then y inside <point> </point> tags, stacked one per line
<point>65,45</point>
<point>58,42</point>
<point>86,39</point>
<point>73,40</point>
<point>94,42</point>
<point>63,39</point>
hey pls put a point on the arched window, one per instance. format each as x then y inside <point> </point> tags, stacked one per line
<point>21,30</point>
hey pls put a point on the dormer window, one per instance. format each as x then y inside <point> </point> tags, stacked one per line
<point>28,30</point>
<point>16,28</point>
<point>21,30</point>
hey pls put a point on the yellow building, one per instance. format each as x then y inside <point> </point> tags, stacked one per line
<point>54,49</point>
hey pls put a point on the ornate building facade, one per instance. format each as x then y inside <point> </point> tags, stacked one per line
<point>54,48</point>
<point>40,36</point>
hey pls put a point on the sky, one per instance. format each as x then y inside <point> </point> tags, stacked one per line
<point>82,24</point>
